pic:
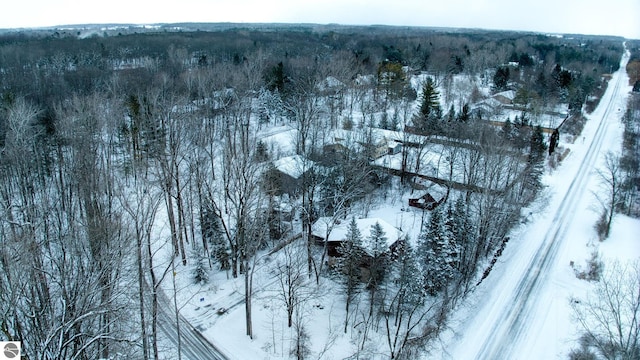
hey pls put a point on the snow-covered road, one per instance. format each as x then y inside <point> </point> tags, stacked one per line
<point>515,315</point>
<point>193,345</point>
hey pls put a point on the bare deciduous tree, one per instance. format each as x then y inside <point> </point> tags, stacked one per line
<point>610,198</point>
<point>609,316</point>
<point>239,203</point>
<point>291,278</point>
<point>62,280</point>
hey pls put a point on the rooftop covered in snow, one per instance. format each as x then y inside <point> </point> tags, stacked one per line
<point>339,231</point>
<point>293,166</point>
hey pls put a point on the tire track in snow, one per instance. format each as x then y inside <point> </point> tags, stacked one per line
<point>507,330</point>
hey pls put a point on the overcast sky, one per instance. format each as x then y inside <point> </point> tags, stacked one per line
<point>601,17</point>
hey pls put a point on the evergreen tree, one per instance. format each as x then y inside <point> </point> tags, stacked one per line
<point>262,153</point>
<point>430,99</point>
<point>430,112</point>
<point>411,287</point>
<point>541,86</point>
<point>537,147</point>
<point>465,114</point>
<point>522,120</point>
<point>391,78</point>
<point>270,106</point>
<point>263,113</point>
<point>378,248</point>
<point>395,122</point>
<point>147,134</point>
<point>211,230</point>
<point>553,141</point>
<point>456,66</point>
<point>377,264</point>
<point>349,264</point>
<point>554,84</point>
<point>200,274</point>
<point>576,99</point>
<point>437,252</point>
<point>403,309</point>
<point>525,60</point>
<point>454,236</point>
<point>501,78</point>
<point>534,168</point>
<point>507,130</point>
<point>452,232</point>
<point>462,233</point>
<point>275,78</point>
<point>384,121</point>
<point>451,114</point>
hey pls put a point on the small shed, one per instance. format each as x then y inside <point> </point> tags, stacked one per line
<point>435,194</point>
<point>394,147</point>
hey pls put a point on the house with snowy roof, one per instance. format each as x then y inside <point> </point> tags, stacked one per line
<point>324,229</point>
<point>486,108</point>
<point>288,173</point>
<point>494,105</point>
<point>505,97</point>
<point>330,85</point>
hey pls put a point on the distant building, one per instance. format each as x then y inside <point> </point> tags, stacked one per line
<point>505,97</point>
<point>330,85</point>
<point>494,105</point>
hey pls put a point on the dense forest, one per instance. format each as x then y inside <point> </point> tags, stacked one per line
<point>117,143</point>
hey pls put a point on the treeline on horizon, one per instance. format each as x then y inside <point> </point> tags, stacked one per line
<point>46,66</point>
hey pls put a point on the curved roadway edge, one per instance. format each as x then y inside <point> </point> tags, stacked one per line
<point>505,314</point>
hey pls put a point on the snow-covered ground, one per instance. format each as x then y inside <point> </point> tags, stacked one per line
<point>521,311</point>
<point>324,309</point>
<point>496,321</point>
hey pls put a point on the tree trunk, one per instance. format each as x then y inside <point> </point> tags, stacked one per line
<point>143,322</point>
<point>247,298</point>
<point>290,315</point>
<point>154,298</point>
<point>181,218</point>
<point>172,219</point>
<point>346,318</point>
